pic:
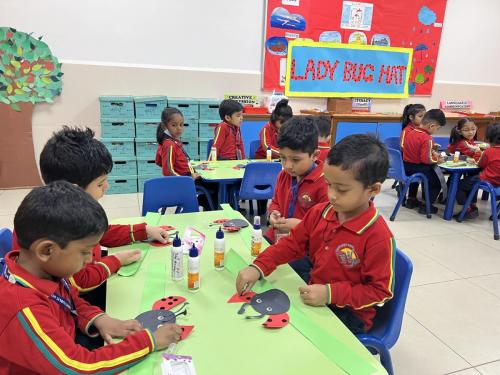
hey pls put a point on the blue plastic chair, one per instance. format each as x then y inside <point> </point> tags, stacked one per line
<point>5,241</point>
<point>209,147</point>
<point>258,182</point>
<point>393,142</point>
<point>254,146</point>
<point>397,172</point>
<point>442,141</point>
<point>169,191</point>
<point>389,318</point>
<point>494,192</point>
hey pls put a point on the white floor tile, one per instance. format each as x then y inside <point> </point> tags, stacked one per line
<point>11,199</point>
<point>491,283</point>
<point>492,368</point>
<point>408,353</point>
<point>485,236</point>
<point>459,253</point>
<point>119,200</point>
<point>462,315</point>
<point>7,221</point>
<point>469,371</point>
<point>123,212</point>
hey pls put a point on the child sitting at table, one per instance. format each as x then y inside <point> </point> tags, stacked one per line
<point>463,139</point>
<point>324,125</point>
<point>171,156</point>
<point>57,227</point>
<point>350,245</point>
<point>489,162</point>
<point>268,135</point>
<point>419,156</point>
<point>227,136</point>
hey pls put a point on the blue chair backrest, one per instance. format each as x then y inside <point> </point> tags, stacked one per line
<point>442,141</point>
<point>209,147</point>
<point>5,241</point>
<point>393,142</point>
<point>396,166</point>
<point>259,180</point>
<point>254,146</point>
<point>169,191</point>
<point>387,323</point>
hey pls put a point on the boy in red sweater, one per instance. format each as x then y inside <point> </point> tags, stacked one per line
<point>268,135</point>
<point>419,156</point>
<point>324,125</point>
<point>351,248</point>
<point>227,135</point>
<point>57,226</point>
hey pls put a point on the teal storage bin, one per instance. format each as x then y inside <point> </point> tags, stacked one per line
<point>122,185</point>
<point>119,147</point>
<point>146,128</point>
<point>147,166</point>
<point>188,107</point>
<point>207,128</point>
<point>141,179</point>
<point>146,147</point>
<point>191,147</point>
<point>117,128</point>
<point>116,106</point>
<point>190,130</point>
<point>209,108</point>
<point>150,106</point>
<point>203,150</point>
<point>124,167</point>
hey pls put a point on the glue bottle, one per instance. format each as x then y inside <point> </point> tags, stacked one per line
<point>194,270</point>
<point>213,154</point>
<point>456,156</point>
<point>177,255</point>
<point>269,154</point>
<point>219,250</point>
<point>256,237</point>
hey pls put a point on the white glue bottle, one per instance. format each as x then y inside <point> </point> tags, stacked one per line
<point>213,154</point>
<point>194,270</point>
<point>219,250</point>
<point>177,255</point>
<point>269,154</point>
<point>256,237</point>
<point>456,157</point>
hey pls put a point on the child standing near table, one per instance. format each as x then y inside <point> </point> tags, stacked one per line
<point>227,136</point>
<point>351,248</point>
<point>268,135</point>
<point>324,125</point>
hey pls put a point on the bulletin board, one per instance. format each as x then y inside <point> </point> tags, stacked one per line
<point>415,24</point>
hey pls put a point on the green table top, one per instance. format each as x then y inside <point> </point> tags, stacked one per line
<point>223,169</point>
<point>315,341</point>
<point>450,165</point>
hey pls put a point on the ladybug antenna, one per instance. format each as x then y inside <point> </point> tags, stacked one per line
<point>255,316</point>
<point>242,308</point>
<point>182,309</point>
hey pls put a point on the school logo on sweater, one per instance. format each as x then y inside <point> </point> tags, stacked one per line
<point>347,255</point>
<point>306,201</point>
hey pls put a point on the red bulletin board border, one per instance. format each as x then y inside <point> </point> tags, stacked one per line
<point>413,24</point>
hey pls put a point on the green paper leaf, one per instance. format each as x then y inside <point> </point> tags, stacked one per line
<point>4,100</point>
<point>36,67</point>
<point>15,107</point>
<point>15,64</point>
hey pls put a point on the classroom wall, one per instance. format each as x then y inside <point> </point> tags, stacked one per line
<point>98,61</point>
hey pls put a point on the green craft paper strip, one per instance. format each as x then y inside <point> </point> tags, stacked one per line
<point>326,343</point>
<point>132,268</point>
<point>154,289</point>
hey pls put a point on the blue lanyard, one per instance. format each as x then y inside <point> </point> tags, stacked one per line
<point>67,304</point>
<point>295,192</point>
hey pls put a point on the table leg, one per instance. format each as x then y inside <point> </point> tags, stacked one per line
<point>452,194</point>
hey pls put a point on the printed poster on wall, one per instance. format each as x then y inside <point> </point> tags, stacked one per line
<point>415,24</point>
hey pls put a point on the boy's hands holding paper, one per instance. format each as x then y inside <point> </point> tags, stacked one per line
<point>246,279</point>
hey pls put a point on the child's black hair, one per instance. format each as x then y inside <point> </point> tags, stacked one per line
<point>363,154</point>
<point>59,211</point>
<point>410,110</point>
<point>493,134</point>
<point>166,116</point>
<point>434,115</point>
<point>455,135</point>
<point>324,124</point>
<point>282,112</point>
<point>74,155</point>
<point>299,134</point>
<point>228,107</point>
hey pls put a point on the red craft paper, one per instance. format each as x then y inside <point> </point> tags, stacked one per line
<point>236,298</point>
<point>277,321</point>
<point>186,331</point>
<point>168,302</point>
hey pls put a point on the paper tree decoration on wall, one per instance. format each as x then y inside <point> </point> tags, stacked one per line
<point>28,70</point>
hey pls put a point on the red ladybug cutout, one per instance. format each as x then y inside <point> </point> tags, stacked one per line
<point>276,321</point>
<point>231,229</point>
<point>168,228</point>
<point>220,221</point>
<point>159,244</point>
<point>186,330</point>
<point>167,303</point>
<point>236,298</point>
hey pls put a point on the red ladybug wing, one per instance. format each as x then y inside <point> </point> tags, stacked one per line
<point>277,321</point>
<point>167,303</point>
<point>236,298</point>
<point>186,330</point>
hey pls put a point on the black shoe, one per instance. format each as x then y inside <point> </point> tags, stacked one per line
<point>412,203</point>
<point>422,210</point>
<point>471,213</point>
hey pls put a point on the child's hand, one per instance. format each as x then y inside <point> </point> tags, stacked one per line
<point>167,334</point>
<point>314,295</point>
<point>274,217</point>
<point>157,234</point>
<point>110,328</point>
<point>128,256</point>
<point>195,176</point>
<point>246,279</point>
<point>435,146</point>
<point>286,225</point>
